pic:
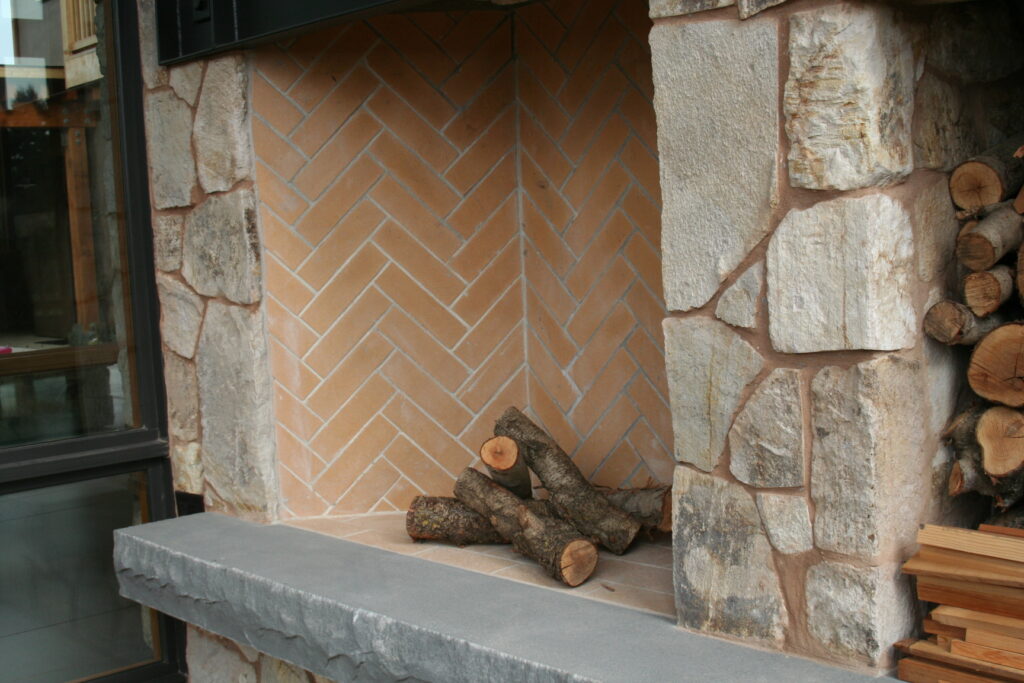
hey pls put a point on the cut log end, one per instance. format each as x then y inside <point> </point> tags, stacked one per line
<point>996,369</point>
<point>986,291</point>
<point>1001,436</point>
<point>578,561</point>
<point>975,184</point>
<point>500,452</point>
<point>975,252</point>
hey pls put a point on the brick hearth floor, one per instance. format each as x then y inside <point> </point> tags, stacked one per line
<point>641,579</point>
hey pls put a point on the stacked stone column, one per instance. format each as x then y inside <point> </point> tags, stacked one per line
<point>803,238</point>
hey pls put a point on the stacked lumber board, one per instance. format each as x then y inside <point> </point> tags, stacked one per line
<point>976,633</point>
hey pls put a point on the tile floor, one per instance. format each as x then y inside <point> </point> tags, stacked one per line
<point>641,579</point>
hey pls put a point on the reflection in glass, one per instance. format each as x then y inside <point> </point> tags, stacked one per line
<point>65,342</point>
<point>61,618</point>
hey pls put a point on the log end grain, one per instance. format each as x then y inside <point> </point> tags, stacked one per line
<point>500,453</point>
<point>986,291</point>
<point>1001,436</point>
<point>996,369</point>
<point>578,561</point>
<point>975,251</point>
<point>975,184</point>
<point>946,321</point>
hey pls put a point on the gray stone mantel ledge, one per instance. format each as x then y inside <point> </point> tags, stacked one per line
<point>357,613</point>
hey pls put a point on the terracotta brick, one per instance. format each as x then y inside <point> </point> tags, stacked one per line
<point>346,332</point>
<point>279,240</point>
<point>288,328</point>
<point>418,135</point>
<point>406,167</point>
<point>482,427</point>
<point>308,46</point>
<point>544,196</point>
<point>346,378</point>
<point>546,240</point>
<point>606,340</point>
<point>609,287</point>
<point>402,493</point>
<point>478,68</point>
<point>485,198</point>
<point>508,357</point>
<point>489,148</point>
<point>545,108</point>
<point>343,240</point>
<point>477,252</point>
<point>498,322</point>
<point>275,194</point>
<point>273,107</point>
<point>597,160</point>
<point>275,151</point>
<point>357,455</point>
<point>583,29</point>
<point>422,430</point>
<point>417,48</point>
<point>467,126</point>
<point>644,168</point>
<point>606,435</point>
<point>602,249</point>
<point>411,214</point>
<point>648,310</point>
<point>538,19</point>
<point>492,281</point>
<point>276,66</point>
<point>635,62</point>
<point>635,17</point>
<point>417,465</point>
<point>469,31</point>
<point>655,409</point>
<point>420,264</point>
<point>291,372</point>
<point>547,286</point>
<point>290,412</point>
<point>360,408</point>
<point>548,330</point>
<point>368,488</point>
<point>650,358</point>
<point>644,214</point>
<point>340,198</point>
<point>293,453</point>
<point>547,371</point>
<point>598,208</point>
<point>603,391</point>
<point>351,139</point>
<point>551,418</point>
<point>422,390</point>
<point>636,108</point>
<point>289,290</point>
<point>593,69</point>
<point>411,298</point>
<point>434,24</point>
<point>334,66</point>
<point>333,299</point>
<point>656,456</point>
<point>407,335</point>
<point>334,110</point>
<point>542,149</point>
<point>404,80</point>
<point>533,56</point>
<point>646,263</point>
<point>297,498</point>
<point>617,467</point>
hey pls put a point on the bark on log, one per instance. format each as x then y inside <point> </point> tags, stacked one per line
<point>996,368</point>
<point>651,505</point>
<point>576,500</point>
<point>436,518</point>
<point>965,477</point>
<point>501,456</point>
<point>1001,437</point>
<point>989,177</point>
<point>952,323</point>
<point>986,291</point>
<point>554,543</point>
<point>993,237</point>
<point>1013,519</point>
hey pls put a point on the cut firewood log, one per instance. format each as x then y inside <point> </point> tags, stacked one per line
<point>989,177</point>
<point>951,323</point>
<point>996,368</point>
<point>993,237</point>
<point>555,544</point>
<point>986,291</point>
<point>1011,519</point>
<point>960,433</point>
<point>651,505</point>
<point>501,456</point>
<point>1001,437</point>
<point>965,477</point>
<point>436,518</point>
<point>576,500</point>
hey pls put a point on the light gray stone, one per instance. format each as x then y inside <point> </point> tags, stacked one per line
<point>153,75</point>
<point>858,613</point>
<point>708,368</point>
<point>169,145</point>
<point>723,569</point>
<point>933,218</point>
<point>839,275</point>
<point>237,420</point>
<point>187,466</point>
<point>277,671</point>
<point>220,255</point>
<point>944,132</point>
<point>748,8</point>
<point>223,147</point>
<point>185,80</point>
<point>869,421</point>
<point>738,305</point>
<point>716,98</point>
<point>977,41</point>
<point>787,521</point>
<point>212,661</point>
<point>766,441</point>
<point>182,397</point>
<point>181,314</point>
<point>673,8</point>
<point>849,98</point>
<point>167,242</point>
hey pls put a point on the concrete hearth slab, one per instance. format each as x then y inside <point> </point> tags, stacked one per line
<point>353,612</point>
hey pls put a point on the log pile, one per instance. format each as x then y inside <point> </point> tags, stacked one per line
<point>562,532</point>
<point>988,435</point>
<point>976,631</point>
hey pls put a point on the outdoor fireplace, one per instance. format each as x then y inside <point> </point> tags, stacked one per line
<point>417,220</point>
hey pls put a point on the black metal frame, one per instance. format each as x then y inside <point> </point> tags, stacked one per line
<point>143,449</point>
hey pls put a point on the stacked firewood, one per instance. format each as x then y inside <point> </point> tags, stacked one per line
<point>561,532</point>
<point>988,436</point>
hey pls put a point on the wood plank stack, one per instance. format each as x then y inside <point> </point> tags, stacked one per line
<point>976,632</point>
<point>987,434</point>
<point>561,532</point>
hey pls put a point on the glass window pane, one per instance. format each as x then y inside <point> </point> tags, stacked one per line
<point>61,618</point>
<point>65,338</point>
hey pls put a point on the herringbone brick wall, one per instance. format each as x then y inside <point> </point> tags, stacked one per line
<point>449,230</point>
